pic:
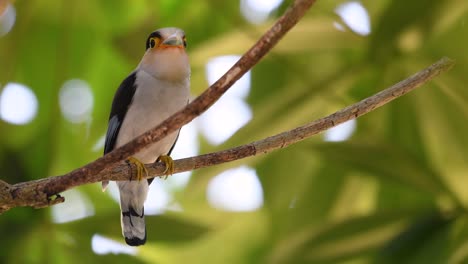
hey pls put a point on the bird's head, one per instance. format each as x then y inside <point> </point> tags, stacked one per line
<point>165,57</point>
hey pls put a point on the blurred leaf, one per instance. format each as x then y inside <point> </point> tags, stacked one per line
<point>334,241</point>
<point>383,44</point>
<point>416,237</point>
<point>383,160</point>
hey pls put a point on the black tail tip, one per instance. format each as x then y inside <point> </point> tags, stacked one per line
<point>135,241</point>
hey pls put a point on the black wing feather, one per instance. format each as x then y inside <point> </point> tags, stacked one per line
<point>122,100</point>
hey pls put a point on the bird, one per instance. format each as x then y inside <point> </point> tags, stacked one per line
<point>155,90</point>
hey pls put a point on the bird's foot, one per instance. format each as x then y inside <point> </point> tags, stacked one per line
<point>169,162</point>
<point>140,167</point>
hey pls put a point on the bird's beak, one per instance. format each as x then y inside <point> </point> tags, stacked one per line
<point>173,41</point>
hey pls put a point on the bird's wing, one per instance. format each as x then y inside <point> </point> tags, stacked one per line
<point>122,100</point>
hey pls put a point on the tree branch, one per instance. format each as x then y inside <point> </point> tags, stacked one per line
<point>44,192</point>
<point>26,193</point>
<point>38,195</point>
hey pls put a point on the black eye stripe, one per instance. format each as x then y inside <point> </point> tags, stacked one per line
<point>155,34</point>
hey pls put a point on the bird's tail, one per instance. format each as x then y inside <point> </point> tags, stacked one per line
<point>133,213</point>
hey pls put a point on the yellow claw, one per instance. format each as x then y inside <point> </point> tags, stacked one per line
<point>169,162</point>
<point>139,166</point>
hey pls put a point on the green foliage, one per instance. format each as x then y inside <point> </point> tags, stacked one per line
<point>393,193</point>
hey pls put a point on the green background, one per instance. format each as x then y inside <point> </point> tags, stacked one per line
<point>395,192</point>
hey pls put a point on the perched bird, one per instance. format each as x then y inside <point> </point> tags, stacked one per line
<point>156,89</point>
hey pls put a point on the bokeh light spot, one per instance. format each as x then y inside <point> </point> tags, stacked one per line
<point>102,245</point>
<point>223,119</point>
<point>236,190</point>
<point>78,206</point>
<point>158,198</point>
<point>18,104</point>
<point>341,132</point>
<point>258,11</point>
<point>231,112</point>
<point>355,16</point>
<point>216,67</point>
<point>339,26</point>
<point>76,101</point>
<point>7,18</point>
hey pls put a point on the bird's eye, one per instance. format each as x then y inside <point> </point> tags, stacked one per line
<point>185,41</point>
<point>154,42</point>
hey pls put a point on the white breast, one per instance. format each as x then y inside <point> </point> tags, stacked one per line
<point>154,101</point>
